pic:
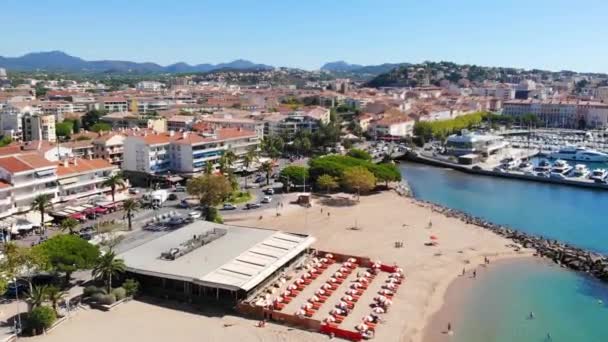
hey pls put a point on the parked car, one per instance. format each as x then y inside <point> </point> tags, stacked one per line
<point>269,191</point>
<point>133,191</point>
<point>195,215</point>
<point>260,179</point>
<point>229,206</point>
<point>266,199</point>
<point>172,197</point>
<point>252,205</point>
<point>179,188</point>
<point>19,287</point>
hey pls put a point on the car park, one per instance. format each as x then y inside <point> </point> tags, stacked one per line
<point>269,191</point>
<point>266,199</point>
<point>195,215</point>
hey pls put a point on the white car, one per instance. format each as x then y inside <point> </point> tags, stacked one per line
<point>266,199</point>
<point>195,215</point>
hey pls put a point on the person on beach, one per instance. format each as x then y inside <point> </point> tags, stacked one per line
<point>474,273</point>
<point>463,271</point>
<point>328,214</point>
<point>531,315</point>
<point>321,210</point>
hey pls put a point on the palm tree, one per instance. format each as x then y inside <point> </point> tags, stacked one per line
<point>267,167</point>
<point>41,203</point>
<point>69,224</point>
<point>54,295</point>
<point>130,206</point>
<point>248,159</point>
<point>107,267</point>
<point>36,296</point>
<point>208,167</point>
<point>230,158</point>
<point>113,182</point>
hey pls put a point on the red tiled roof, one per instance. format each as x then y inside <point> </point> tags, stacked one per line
<point>24,162</point>
<point>82,165</point>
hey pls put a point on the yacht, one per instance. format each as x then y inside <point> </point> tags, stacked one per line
<point>560,167</point>
<point>525,166</point>
<point>599,175</point>
<point>579,171</point>
<point>508,163</point>
<point>543,166</point>
<point>579,153</point>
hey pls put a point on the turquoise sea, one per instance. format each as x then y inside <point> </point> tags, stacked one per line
<point>565,303</point>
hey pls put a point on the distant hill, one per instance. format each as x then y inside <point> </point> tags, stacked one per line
<point>356,70</point>
<point>60,61</point>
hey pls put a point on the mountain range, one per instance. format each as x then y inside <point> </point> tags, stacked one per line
<point>343,67</point>
<point>61,61</point>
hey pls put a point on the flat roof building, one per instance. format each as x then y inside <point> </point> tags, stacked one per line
<point>205,260</point>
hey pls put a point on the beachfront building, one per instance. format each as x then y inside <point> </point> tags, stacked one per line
<point>474,143</point>
<point>392,127</point>
<point>185,152</point>
<point>80,178</point>
<point>207,262</point>
<point>109,147</point>
<point>228,121</point>
<point>300,120</point>
<point>561,113</point>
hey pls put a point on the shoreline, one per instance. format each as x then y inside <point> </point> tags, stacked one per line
<point>457,293</point>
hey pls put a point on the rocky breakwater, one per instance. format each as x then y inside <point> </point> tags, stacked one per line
<point>575,258</point>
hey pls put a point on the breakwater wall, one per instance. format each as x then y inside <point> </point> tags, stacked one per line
<point>575,258</point>
<point>415,157</point>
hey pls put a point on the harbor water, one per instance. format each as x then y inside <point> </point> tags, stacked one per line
<point>565,302</point>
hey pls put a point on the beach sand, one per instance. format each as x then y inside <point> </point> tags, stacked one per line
<point>381,220</point>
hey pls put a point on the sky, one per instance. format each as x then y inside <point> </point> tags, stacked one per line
<point>553,35</point>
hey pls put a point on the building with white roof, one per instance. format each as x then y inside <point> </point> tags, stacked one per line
<point>474,143</point>
<point>205,260</point>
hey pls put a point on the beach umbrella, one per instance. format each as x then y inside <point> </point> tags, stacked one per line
<point>306,306</point>
<point>355,285</point>
<point>389,286</point>
<point>343,269</point>
<point>385,292</point>
<point>286,293</point>
<point>329,256</point>
<point>292,287</point>
<point>313,270</point>
<point>399,270</point>
<point>362,280</point>
<point>326,286</point>
<point>347,298</point>
<point>388,302</point>
<point>337,274</point>
<point>330,319</point>
<point>306,275</point>
<point>367,274</point>
<point>362,327</point>
<point>320,292</point>
<point>380,299</point>
<point>351,291</point>
<point>378,310</point>
<point>324,260</point>
<point>299,281</point>
<point>434,237</point>
<point>333,280</point>
<point>342,304</point>
<point>353,260</point>
<point>278,299</point>
<point>315,260</point>
<point>337,311</point>
<point>300,313</point>
<point>368,319</point>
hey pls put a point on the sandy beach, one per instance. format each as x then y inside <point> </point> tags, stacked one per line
<point>380,220</point>
<point>383,219</point>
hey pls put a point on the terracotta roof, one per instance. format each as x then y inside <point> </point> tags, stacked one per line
<point>82,166</point>
<point>24,162</point>
<point>4,185</point>
<point>156,139</point>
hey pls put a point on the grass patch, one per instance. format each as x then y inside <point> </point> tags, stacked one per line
<point>240,197</point>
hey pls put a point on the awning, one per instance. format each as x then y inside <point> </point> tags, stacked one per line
<point>45,172</point>
<point>174,179</point>
<point>34,216</point>
<point>70,180</point>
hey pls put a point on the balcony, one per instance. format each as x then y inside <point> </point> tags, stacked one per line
<point>35,192</point>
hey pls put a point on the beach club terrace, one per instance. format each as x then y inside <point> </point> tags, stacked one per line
<point>207,262</point>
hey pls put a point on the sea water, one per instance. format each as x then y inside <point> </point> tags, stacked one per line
<point>565,303</point>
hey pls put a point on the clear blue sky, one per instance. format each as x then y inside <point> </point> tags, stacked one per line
<point>555,34</point>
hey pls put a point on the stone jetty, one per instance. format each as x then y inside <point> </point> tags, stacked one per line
<point>575,258</point>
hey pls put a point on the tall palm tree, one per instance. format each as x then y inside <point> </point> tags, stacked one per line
<point>248,159</point>
<point>208,167</point>
<point>230,159</point>
<point>69,224</point>
<point>41,203</point>
<point>107,267</point>
<point>114,181</point>
<point>36,296</point>
<point>54,295</point>
<point>267,167</point>
<point>130,206</point>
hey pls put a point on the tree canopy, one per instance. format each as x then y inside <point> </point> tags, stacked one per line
<point>68,253</point>
<point>327,182</point>
<point>210,190</point>
<point>64,129</point>
<point>91,118</point>
<point>442,128</point>
<point>358,179</point>
<point>359,154</point>
<point>100,126</point>
<point>386,173</point>
<point>295,174</point>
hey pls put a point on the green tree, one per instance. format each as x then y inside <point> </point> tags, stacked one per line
<point>108,266</point>
<point>41,203</point>
<point>5,140</point>
<point>208,167</point>
<point>22,262</point>
<point>41,318</point>
<point>68,253</point>
<point>69,224</point>
<point>91,118</point>
<point>387,173</point>
<point>210,190</point>
<point>130,206</point>
<point>76,126</point>
<point>64,129</point>
<point>227,162</point>
<point>250,157</point>
<point>359,154</point>
<point>327,182</point>
<point>54,295</point>
<point>100,126</point>
<point>358,179</point>
<point>267,167</point>
<point>114,181</point>
<point>294,174</point>
<point>36,296</point>
<point>131,287</point>
<point>272,146</point>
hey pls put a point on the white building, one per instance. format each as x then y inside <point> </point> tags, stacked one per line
<point>79,178</point>
<point>39,127</point>
<point>149,86</point>
<point>392,127</point>
<point>473,143</point>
